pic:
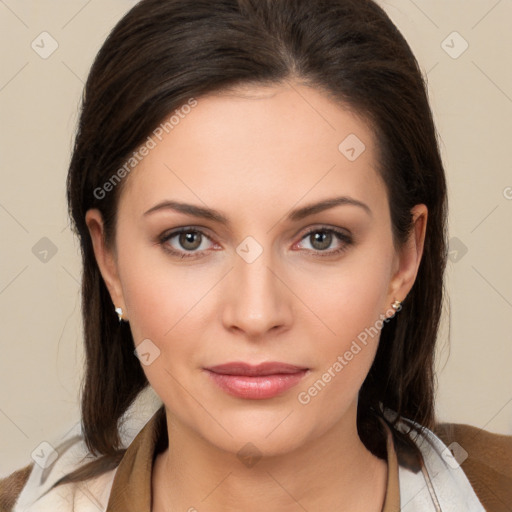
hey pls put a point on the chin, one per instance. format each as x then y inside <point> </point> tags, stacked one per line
<point>255,445</point>
<point>267,434</point>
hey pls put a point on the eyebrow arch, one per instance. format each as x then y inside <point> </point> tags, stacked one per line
<point>294,215</point>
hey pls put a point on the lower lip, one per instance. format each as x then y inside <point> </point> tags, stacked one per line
<point>257,387</point>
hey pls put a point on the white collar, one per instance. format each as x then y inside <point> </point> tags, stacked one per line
<point>442,485</point>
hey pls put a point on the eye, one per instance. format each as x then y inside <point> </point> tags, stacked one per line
<point>322,238</point>
<point>189,242</point>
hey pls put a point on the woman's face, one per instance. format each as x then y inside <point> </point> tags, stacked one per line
<point>277,280</point>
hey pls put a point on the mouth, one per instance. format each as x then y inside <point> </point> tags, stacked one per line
<point>256,382</point>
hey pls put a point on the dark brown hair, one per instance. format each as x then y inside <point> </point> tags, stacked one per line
<point>161,54</point>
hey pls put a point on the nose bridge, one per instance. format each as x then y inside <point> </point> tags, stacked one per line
<point>258,301</point>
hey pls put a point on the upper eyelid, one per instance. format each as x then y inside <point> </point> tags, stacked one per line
<point>327,228</point>
<point>171,233</point>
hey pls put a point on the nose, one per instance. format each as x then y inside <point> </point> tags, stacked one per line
<point>257,300</point>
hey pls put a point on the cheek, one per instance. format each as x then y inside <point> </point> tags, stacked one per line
<point>172,306</point>
<point>349,303</point>
<point>350,297</point>
<point>159,292</point>
<point>165,307</point>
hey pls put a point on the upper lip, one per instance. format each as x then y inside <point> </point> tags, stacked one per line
<point>242,368</point>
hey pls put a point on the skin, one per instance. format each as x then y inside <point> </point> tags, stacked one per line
<point>254,154</point>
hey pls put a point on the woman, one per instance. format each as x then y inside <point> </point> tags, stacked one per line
<point>261,206</point>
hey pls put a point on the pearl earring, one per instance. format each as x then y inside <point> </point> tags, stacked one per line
<point>397,305</point>
<point>119,312</point>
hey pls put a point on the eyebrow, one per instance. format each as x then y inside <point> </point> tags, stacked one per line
<point>294,215</point>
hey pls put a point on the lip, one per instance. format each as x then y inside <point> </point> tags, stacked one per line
<point>256,382</point>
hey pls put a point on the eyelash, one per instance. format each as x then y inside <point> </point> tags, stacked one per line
<point>343,237</point>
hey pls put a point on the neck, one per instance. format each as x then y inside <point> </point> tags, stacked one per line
<point>334,471</point>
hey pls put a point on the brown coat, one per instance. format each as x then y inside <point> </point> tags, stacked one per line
<point>488,467</point>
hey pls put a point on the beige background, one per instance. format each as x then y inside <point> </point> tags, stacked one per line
<point>41,357</point>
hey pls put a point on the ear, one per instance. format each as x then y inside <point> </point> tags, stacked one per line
<point>105,257</point>
<point>409,256</point>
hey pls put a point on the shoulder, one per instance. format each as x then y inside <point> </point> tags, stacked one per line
<point>36,488</point>
<point>485,458</point>
<point>11,487</point>
<point>18,492</point>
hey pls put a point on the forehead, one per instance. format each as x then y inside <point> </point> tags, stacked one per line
<point>259,145</point>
